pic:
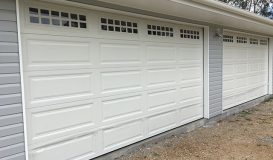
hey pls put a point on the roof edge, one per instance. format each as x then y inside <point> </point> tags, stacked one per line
<point>223,6</point>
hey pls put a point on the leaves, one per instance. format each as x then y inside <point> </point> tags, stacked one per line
<point>260,7</point>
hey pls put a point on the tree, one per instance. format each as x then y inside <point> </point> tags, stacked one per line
<point>260,7</point>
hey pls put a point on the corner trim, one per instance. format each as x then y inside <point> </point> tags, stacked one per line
<point>206,72</point>
<point>270,63</point>
<point>21,76</point>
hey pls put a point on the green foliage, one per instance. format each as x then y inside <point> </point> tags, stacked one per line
<point>260,7</point>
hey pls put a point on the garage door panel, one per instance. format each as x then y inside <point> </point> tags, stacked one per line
<point>92,90</point>
<point>51,87</point>
<point>229,84</point>
<point>189,73</point>
<point>161,122</point>
<point>161,100</point>
<point>240,81</point>
<point>190,93</point>
<point>241,54</point>
<point>161,77</point>
<point>45,122</point>
<point>79,148</point>
<point>120,81</point>
<point>52,123</point>
<point>122,107</point>
<point>228,102</point>
<point>190,54</point>
<point>254,79</point>
<point>43,53</point>
<point>250,66</point>
<point>189,113</point>
<point>119,136</point>
<point>241,68</point>
<point>160,54</point>
<point>120,53</point>
<point>229,70</point>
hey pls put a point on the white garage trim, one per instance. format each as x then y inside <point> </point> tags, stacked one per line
<point>270,64</point>
<point>21,76</point>
<point>206,72</point>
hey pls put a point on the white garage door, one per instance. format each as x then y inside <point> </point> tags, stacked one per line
<point>245,68</point>
<point>96,82</point>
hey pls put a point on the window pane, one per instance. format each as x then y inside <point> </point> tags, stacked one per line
<point>44,12</point>
<point>104,27</point>
<point>74,24</point>
<point>74,16</point>
<point>55,14</point>
<point>82,25</point>
<point>56,22</point>
<point>65,23</point>
<point>34,19</point>
<point>33,11</point>
<point>82,17</point>
<point>45,20</point>
<point>64,15</point>
<point>103,20</point>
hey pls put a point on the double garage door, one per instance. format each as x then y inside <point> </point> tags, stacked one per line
<point>95,82</point>
<point>245,68</point>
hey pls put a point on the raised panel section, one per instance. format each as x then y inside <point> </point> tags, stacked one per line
<point>48,53</point>
<point>160,54</point>
<point>190,75</point>
<point>77,148</point>
<point>121,81</point>
<point>56,87</point>
<point>120,53</point>
<point>161,122</point>
<point>160,100</point>
<point>161,77</point>
<point>60,120</point>
<point>190,113</point>
<point>122,135</point>
<point>122,107</point>
<point>190,54</point>
<point>190,93</point>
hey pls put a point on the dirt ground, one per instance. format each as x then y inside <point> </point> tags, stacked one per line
<point>245,136</point>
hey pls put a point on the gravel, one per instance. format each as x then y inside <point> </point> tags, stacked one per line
<point>245,136</point>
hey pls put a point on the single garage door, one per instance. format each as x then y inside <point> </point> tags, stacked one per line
<point>245,68</point>
<point>96,82</point>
